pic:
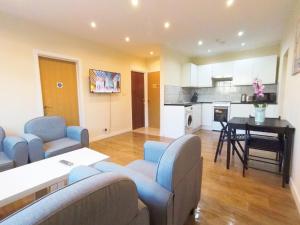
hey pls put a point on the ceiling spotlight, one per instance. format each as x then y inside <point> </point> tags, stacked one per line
<point>243,44</point>
<point>93,24</point>
<point>209,51</point>
<point>200,43</point>
<point>135,3</point>
<point>127,39</point>
<point>240,33</point>
<point>167,25</point>
<point>229,3</point>
<point>151,53</point>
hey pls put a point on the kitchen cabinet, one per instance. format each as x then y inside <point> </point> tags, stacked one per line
<point>245,110</point>
<point>222,70</point>
<point>190,75</point>
<point>207,116</point>
<point>243,72</point>
<point>197,117</point>
<point>265,69</point>
<point>204,76</point>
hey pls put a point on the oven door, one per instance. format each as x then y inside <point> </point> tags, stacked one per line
<point>220,114</point>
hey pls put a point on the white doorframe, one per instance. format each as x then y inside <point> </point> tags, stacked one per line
<point>36,54</point>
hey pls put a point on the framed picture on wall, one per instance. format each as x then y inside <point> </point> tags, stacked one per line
<point>297,50</point>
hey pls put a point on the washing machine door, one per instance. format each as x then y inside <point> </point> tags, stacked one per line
<point>189,120</point>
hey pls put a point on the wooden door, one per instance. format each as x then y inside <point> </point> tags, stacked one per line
<point>59,89</point>
<point>154,99</point>
<point>137,96</point>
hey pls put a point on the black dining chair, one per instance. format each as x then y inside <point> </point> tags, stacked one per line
<point>262,142</point>
<point>235,139</point>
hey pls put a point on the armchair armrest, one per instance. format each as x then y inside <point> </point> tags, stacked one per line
<point>158,199</point>
<point>153,150</point>
<point>80,173</point>
<point>16,149</point>
<point>35,147</point>
<point>79,134</point>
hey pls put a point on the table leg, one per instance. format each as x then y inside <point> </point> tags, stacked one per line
<point>287,160</point>
<point>228,146</point>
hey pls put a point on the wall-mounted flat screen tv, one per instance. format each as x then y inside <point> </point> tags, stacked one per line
<point>104,81</point>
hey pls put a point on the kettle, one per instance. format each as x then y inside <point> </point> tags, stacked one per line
<point>244,98</point>
<point>194,97</point>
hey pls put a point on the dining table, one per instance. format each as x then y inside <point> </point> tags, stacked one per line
<point>270,125</point>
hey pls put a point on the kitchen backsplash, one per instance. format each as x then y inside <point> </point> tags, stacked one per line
<point>176,94</point>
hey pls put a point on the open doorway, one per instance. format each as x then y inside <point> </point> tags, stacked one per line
<point>59,89</point>
<point>282,81</point>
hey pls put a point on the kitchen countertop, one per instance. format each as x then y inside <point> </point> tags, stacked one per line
<point>186,104</point>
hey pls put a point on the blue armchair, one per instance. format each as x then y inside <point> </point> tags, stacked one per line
<point>49,136</point>
<point>13,151</point>
<point>168,180</point>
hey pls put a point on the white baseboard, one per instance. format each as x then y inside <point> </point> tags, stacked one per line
<point>295,194</point>
<point>97,138</point>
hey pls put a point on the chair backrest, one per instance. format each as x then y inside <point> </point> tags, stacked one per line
<point>48,128</point>
<point>107,199</point>
<point>2,136</point>
<point>178,159</point>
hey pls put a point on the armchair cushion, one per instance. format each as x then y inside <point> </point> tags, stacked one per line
<point>5,162</point>
<point>48,128</point>
<point>79,134</point>
<point>81,172</point>
<point>153,150</point>
<point>35,147</point>
<point>158,199</point>
<point>146,168</point>
<point>2,136</point>
<point>60,146</point>
<point>16,149</point>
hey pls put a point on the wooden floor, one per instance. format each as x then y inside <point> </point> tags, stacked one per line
<point>227,197</point>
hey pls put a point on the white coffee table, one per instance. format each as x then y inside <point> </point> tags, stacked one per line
<point>25,180</point>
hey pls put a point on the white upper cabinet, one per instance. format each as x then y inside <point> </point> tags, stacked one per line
<point>265,68</point>
<point>204,76</point>
<point>222,70</point>
<point>243,72</point>
<point>190,75</point>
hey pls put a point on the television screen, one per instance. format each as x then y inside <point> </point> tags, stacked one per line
<point>104,82</point>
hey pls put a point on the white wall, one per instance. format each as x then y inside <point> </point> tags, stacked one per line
<point>290,89</point>
<point>171,63</point>
<point>19,87</point>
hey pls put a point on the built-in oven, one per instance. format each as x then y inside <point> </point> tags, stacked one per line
<point>221,113</point>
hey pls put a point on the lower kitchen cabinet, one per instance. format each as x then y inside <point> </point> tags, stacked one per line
<point>246,110</point>
<point>197,117</point>
<point>207,116</point>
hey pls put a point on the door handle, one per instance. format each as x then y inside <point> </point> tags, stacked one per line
<point>47,107</point>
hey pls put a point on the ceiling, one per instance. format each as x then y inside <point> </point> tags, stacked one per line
<point>262,21</point>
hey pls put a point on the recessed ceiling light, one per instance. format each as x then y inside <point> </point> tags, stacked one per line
<point>127,39</point>
<point>151,53</point>
<point>240,33</point>
<point>200,43</point>
<point>243,44</point>
<point>135,3</point>
<point>208,50</point>
<point>229,3</point>
<point>167,25</point>
<point>93,24</point>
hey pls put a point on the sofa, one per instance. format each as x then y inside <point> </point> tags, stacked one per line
<point>168,179</point>
<point>13,151</point>
<point>101,199</point>
<point>49,136</point>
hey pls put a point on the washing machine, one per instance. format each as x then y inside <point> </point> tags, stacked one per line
<point>189,119</point>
